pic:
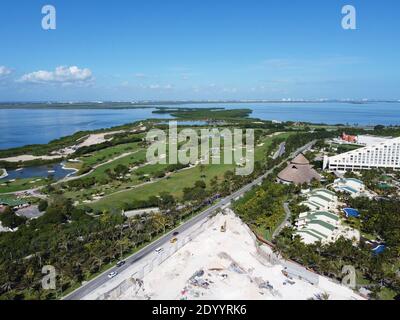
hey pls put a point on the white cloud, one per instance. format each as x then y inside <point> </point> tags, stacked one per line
<point>61,75</point>
<point>4,71</point>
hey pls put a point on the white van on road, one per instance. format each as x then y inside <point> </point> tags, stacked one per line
<point>159,250</point>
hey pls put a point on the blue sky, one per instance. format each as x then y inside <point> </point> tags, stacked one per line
<point>199,49</point>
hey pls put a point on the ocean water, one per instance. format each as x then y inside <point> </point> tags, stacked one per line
<point>32,126</point>
<point>19,127</point>
<point>365,114</point>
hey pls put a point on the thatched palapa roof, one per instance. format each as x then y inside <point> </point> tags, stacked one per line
<point>298,171</point>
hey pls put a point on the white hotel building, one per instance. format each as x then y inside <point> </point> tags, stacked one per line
<point>385,154</point>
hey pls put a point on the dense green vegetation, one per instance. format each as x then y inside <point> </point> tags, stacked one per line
<point>10,220</point>
<point>43,149</point>
<point>21,184</point>
<point>206,113</point>
<point>262,208</point>
<point>81,240</point>
<point>57,144</point>
<point>77,244</point>
<point>31,163</point>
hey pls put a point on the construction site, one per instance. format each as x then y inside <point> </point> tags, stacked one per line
<point>225,261</point>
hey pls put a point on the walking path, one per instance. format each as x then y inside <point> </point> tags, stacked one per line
<point>288,214</point>
<point>102,279</point>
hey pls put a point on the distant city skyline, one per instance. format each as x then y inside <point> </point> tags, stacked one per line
<point>203,50</point>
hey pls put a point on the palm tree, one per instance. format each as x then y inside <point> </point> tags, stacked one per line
<point>7,286</point>
<point>214,183</point>
<point>160,222</point>
<point>202,168</point>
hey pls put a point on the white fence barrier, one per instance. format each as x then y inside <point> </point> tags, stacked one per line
<point>135,281</point>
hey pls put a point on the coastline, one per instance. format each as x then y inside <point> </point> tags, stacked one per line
<point>331,113</point>
<point>74,170</point>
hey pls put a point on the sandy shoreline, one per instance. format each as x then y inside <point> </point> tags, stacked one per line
<point>28,157</point>
<point>4,174</point>
<point>92,139</point>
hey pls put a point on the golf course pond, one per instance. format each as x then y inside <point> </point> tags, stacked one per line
<point>57,171</point>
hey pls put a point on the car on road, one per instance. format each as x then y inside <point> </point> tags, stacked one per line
<point>159,250</point>
<point>173,240</point>
<point>112,274</point>
<point>175,233</point>
<point>120,263</point>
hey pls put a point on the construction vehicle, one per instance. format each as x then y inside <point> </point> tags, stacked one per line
<point>223,227</point>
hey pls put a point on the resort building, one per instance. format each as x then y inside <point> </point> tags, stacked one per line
<point>298,171</point>
<point>381,155</point>
<point>317,226</point>
<point>352,186</point>
<point>321,223</point>
<point>321,199</point>
<point>361,140</point>
<point>323,226</point>
<point>14,203</point>
<point>367,140</point>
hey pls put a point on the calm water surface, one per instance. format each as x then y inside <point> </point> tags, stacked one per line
<point>31,126</point>
<point>55,170</point>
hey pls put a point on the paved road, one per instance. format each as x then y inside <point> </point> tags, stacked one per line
<point>136,257</point>
<point>280,151</point>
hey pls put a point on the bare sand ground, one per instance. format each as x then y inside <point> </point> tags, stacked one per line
<point>28,157</point>
<point>228,265</point>
<point>97,138</point>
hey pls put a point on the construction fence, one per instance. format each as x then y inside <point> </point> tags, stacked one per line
<point>135,281</point>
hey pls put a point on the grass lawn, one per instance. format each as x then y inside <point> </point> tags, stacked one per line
<point>21,184</point>
<point>173,184</point>
<point>109,153</point>
<point>73,165</point>
<point>261,151</point>
<point>126,161</point>
<point>368,236</point>
<point>177,181</point>
<point>346,147</point>
<point>118,192</point>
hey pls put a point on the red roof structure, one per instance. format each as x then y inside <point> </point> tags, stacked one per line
<point>349,138</point>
